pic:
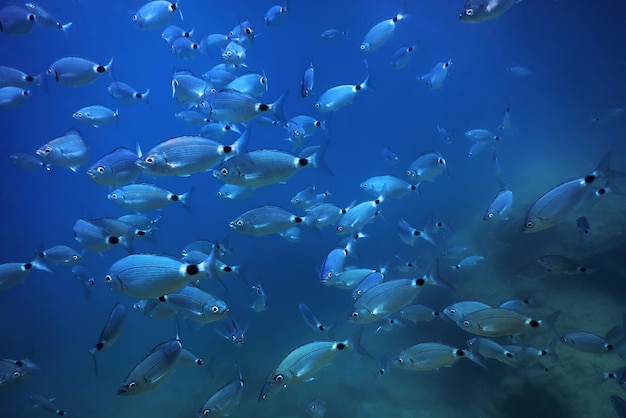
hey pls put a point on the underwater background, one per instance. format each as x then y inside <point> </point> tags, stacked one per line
<point>563,121</point>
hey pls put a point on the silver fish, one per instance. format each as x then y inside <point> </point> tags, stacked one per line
<point>418,313</point>
<point>308,81</point>
<point>96,115</point>
<point>436,77</point>
<point>431,356</point>
<point>235,107</point>
<point>427,166</point>
<point>61,254</point>
<point>341,96</point>
<point>153,370</point>
<point>224,400</point>
<point>475,11</point>
<point>12,274</point>
<point>311,320</point>
<point>69,150</point>
<point>554,263</point>
<point>124,93</point>
<point>402,57</point>
<point>77,71</point>
<point>380,33</point>
<point>10,76</point>
<point>99,237</point>
<point>156,14</point>
<point>110,332</point>
<point>258,299</point>
<point>196,304</point>
<point>43,17</point>
<point>28,161</point>
<point>587,342</point>
<point>316,408</point>
<point>499,322</point>
<point>253,84</point>
<point>11,97</point>
<point>116,168</point>
<point>47,404</point>
<point>275,15</point>
<point>394,187</point>
<point>265,220</point>
<point>145,196</point>
<point>500,207</point>
<point>14,372</point>
<point>185,48</point>
<point>15,20</point>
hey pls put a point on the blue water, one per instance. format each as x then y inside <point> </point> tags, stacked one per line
<point>576,52</point>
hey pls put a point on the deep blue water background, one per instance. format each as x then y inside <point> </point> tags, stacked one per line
<point>577,54</point>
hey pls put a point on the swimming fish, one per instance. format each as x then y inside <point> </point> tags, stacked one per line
<point>146,196</point>
<point>12,274</point>
<point>116,168</point>
<point>77,71</point>
<point>47,404</point>
<point>224,400</point>
<point>68,150</point>
<point>11,97</point>
<point>475,11</point>
<point>96,115</point>
<point>437,75</point>
<point>124,93</point>
<point>110,332</point>
<point>308,80</point>
<point>380,33</point>
<point>155,14</point>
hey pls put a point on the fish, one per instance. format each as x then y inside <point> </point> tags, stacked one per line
<point>224,400</point>
<point>335,260</point>
<point>499,322</point>
<point>116,168</point>
<point>402,57</point>
<point>187,88</point>
<point>243,33</point>
<point>389,156</point>
<point>500,207</point>
<point>173,32</point>
<point>47,404</point>
<point>476,11</point>
<point>236,107</point>
<point>110,332</point>
<point>12,274</point>
<point>427,166</point>
<point>185,155</point>
<point>12,97</point>
<point>458,310</point>
<point>468,262</point>
<point>316,408</point>
<point>10,76</point>
<point>265,220</point>
<point>369,281</point>
<point>560,202</point>
<point>275,15</point>
<point>554,263</point>
<point>418,313</point>
<point>258,298</point>
<point>146,276</point>
<point>126,94</point>
<point>348,278</point>
<point>587,342</point>
<point>519,71</point>
<point>409,235</point>
<point>156,14</point>
<point>380,33</point>
<point>436,77</point>
<point>145,196</point>
<point>96,115</point>
<point>302,363</point>
<point>68,150</point>
<point>85,277</point>
<point>153,369</point>
<point>98,237</point>
<point>481,136</point>
<point>489,348</point>
<point>308,81</point>
<point>61,254</point>
<point>311,320</point>
<point>230,330</point>
<point>395,188</point>
<point>267,166</point>
<point>234,192</point>
<point>444,135</point>
<point>431,356</point>
<point>324,214</point>
<point>360,215</point>
<point>16,20</point>
<point>333,34</point>
<point>15,372</point>
<point>43,17</point>
<point>185,48</point>
<point>192,302</point>
<point>308,197</point>
<point>77,71</point>
<point>234,55</point>
<point>217,130</point>
<point>338,97</point>
<point>253,84</point>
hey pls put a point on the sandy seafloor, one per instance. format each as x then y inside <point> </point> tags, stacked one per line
<point>577,64</point>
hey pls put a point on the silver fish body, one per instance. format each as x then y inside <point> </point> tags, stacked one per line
<point>16,20</point>
<point>110,332</point>
<point>436,77</point>
<point>427,167</point>
<point>69,150</point>
<point>224,400</point>
<point>497,322</point>
<point>475,11</point>
<point>339,97</point>
<point>43,17</point>
<point>96,115</point>
<point>155,14</point>
<point>124,93</point>
<point>236,107</point>
<point>265,220</point>
<point>394,187</point>
<point>145,196</point>
<point>196,304</point>
<point>96,237</point>
<point>431,356</point>
<point>116,168</point>
<point>380,33</point>
<point>14,372</point>
<point>11,97</point>
<point>308,81</point>
<point>500,207</point>
<point>40,401</point>
<point>77,71</point>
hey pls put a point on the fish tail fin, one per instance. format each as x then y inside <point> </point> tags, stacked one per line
<point>126,240</point>
<point>475,357</point>
<point>355,343</point>
<point>240,145</point>
<point>549,322</point>
<point>180,12</point>
<point>384,367</point>
<point>93,351</point>
<point>108,68</point>
<point>144,97</point>
<point>277,107</point>
<point>39,263</point>
<point>185,199</point>
<point>64,27</point>
<point>316,158</point>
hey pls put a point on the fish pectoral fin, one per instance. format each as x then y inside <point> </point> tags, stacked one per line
<point>310,379</point>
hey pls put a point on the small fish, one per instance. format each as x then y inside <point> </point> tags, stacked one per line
<point>110,332</point>
<point>308,80</point>
<point>369,281</point>
<point>324,214</point>
<point>443,135</point>
<point>311,320</point>
<point>394,187</point>
<point>196,304</point>
<point>389,156</point>
<point>224,400</point>
<point>153,369</point>
<point>47,404</point>
<point>85,277</point>
<point>116,168</point>
<point>481,136</point>
<point>437,75</point>
<point>42,16</point>
<point>265,220</point>
<point>519,71</point>
<point>96,115</point>
<point>258,299</point>
<point>275,15</point>
<point>468,262</point>
<point>185,48</point>
<point>475,11</point>
<point>173,32</point>
<point>316,408</point>
<point>517,305</point>
<point>587,342</point>
<point>380,33</point>
<point>333,34</point>
<point>430,356</point>
<point>427,166</point>
<point>15,372</point>
<point>69,150</point>
<point>243,33</point>
<point>61,254</point>
<point>499,322</point>
<point>461,309</point>
<point>234,192</point>
<point>236,107</point>
<point>231,331</point>
<point>11,97</point>
<point>12,274</point>
<point>500,207</point>
<point>338,97</point>
<point>155,14</point>
<point>554,263</point>
<point>77,71</point>
<point>253,84</point>
<point>308,197</point>
<point>16,20</point>
<point>10,76</point>
<point>234,55</point>
<point>402,57</point>
<point>187,88</point>
<point>28,161</point>
<point>124,93</point>
<point>144,196</point>
<point>418,313</point>
<point>360,215</point>
<point>409,234</point>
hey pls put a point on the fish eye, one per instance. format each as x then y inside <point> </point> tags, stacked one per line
<point>329,274</point>
<point>215,309</point>
<point>213,91</point>
<point>49,71</point>
<point>316,105</point>
<point>224,171</point>
<point>135,18</point>
<point>441,161</point>
<point>362,47</point>
<point>79,114</point>
<point>466,323</point>
<point>469,11</point>
<point>490,215</point>
<point>355,314</point>
<point>75,257</point>
<point>229,53</point>
<point>318,123</point>
<point>132,385</point>
<point>278,378</point>
<point>408,172</point>
<point>100,169</point>
<point>262,80</point>
<point>400,360</point>
<point>231,33</point>
<point>48,150</point>
<point>206,412</point>
<point>339,228</point>
<point>150,160</point>
<point>364,185</point>
<point>452,311</point>
<point>296,200</point>
<point>108,278</point>
<point>530,224</point>
<point>16,374</point>
<point>239,222</point>
<point>248,31</point>
<point>113,196</point>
